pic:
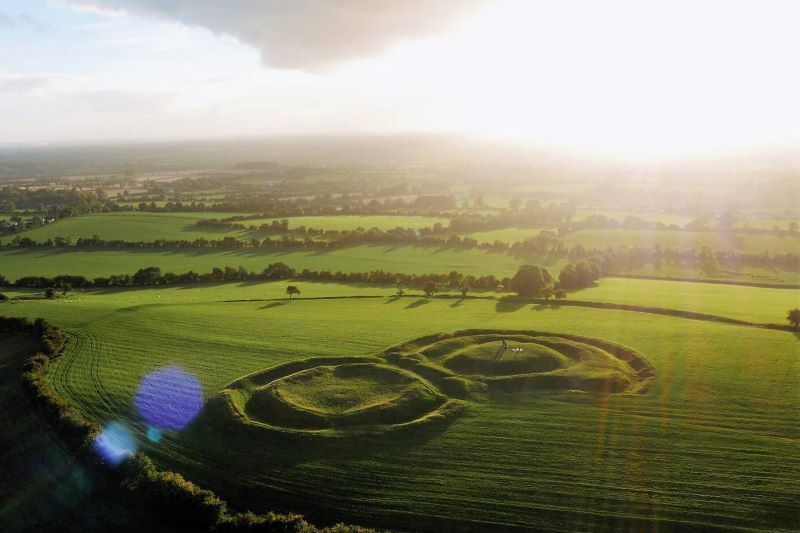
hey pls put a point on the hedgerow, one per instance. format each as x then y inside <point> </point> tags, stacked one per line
<point>173,500</point>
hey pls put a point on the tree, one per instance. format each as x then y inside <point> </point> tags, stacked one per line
<point>568,278</point>
<point>49,293</point>
<point>430,288</point>
<point>278,271</point>
<point>3,297</point>
<point>66,288</point>
<point>464,290</point>
<point>547,293</point>
<point>147,276</point>
<point>291,290</point>
<point>793,316</point>
<point>400,292</point>
<point>581,274</point>
<point>531,280</point>
<point>561,294</point>
<point>515,203</point>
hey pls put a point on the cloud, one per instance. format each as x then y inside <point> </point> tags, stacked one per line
<point>33,22</point>
<point>305,34</point>
<point>6,21</point>
<point>124,102</point>
<point>23,19</point>
<point>25,84</point>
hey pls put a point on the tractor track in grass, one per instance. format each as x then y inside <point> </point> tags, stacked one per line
<point>85,348</point>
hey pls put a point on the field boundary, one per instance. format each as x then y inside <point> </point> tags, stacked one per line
<point>761,285</point>
<point>691,315</point>
<point>664,311</point>
<point>173,499</point>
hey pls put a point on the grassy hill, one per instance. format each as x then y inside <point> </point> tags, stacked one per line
<point>713,440</point>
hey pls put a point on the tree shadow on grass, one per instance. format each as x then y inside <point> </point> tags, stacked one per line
<point>546,307</point>
<point>276,303</point>
<point>457,303</point>
<point>509,304</point>
<point>418,303</point>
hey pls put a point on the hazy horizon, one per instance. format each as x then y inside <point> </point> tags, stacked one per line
<point>624,79</point>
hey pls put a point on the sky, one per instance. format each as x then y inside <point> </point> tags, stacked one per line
<point>623,76</point>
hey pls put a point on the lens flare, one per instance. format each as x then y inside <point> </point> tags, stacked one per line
<point>115,443</point>
<point>153,434</point>
<point>169,398</point>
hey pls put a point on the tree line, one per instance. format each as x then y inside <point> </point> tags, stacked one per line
<point>574,276</point>
<point>635,223</point>
<point>545,245</point>
<point>274,271</point>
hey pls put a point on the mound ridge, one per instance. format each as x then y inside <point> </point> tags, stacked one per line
<point>486,359</point>
<point>423,381</point>
<point>342,396</point>
<point>533,361</point>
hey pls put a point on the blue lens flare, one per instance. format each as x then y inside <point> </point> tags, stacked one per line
<point>169,398</point>
<point>153,434</point>
<point>115,443</point>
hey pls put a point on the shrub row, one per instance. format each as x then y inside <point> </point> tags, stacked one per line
<point>173,499</point>
<point>52,337</point>
<point>547,244</point>
<point>274,271</point>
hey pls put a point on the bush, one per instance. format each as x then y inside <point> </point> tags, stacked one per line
<point>430,288</point>
<point>258,522</point>
<point>530,280</point>
<point>52,337</point>
<point>581,274</point>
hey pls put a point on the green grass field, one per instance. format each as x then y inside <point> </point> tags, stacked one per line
<point>15,263</point>
<point>133,226</point>
<point>351,222</point>
<point>745,274</point>
<point>506,235</point>
<point>147,227</point>
<point>754,304</point>
<point>712,441</point>
<point>648,216</point>
<point>604,238</point>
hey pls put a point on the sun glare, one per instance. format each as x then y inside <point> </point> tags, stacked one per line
<point>628,76</point>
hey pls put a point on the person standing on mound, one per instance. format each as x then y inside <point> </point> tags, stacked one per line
<point>503,348</point>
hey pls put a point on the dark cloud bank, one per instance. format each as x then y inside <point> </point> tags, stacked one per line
<point>306,34</point>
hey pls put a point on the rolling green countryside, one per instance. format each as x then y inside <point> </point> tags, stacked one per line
<point>722,407</point>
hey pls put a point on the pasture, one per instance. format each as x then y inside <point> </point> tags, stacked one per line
<point>684,240</point>
<point>351,222</point>
<point>509,235</point>
<point>131,226</point>
<point>91,262</point>
<point>648,216</point>
<point>754,304</point>
<point>712,441</point>
<point>146,227</point>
